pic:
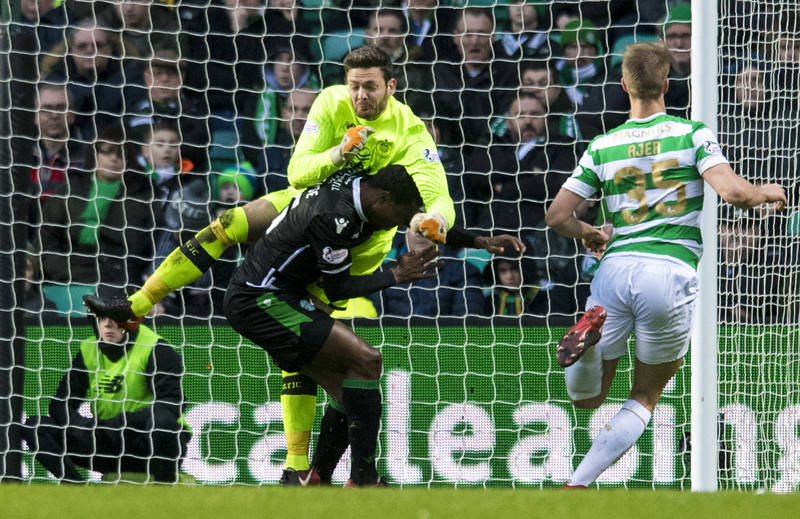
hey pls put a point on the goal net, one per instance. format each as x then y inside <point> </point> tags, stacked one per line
<point>203,101</point>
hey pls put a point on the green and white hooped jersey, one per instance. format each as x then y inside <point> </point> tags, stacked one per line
<point>649,171</point>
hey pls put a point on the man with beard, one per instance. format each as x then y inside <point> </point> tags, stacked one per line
<point>358,125</point>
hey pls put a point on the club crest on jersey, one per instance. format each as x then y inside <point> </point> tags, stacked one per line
<point>334,256</point>
<point>430,156</point>
<point>310,127</point>
<point>711,147</point>
<point>341,223</point>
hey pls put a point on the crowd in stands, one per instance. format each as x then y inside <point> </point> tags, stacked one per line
<point>153,117</point>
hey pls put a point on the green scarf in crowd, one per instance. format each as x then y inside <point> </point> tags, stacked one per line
<point>100,197</point>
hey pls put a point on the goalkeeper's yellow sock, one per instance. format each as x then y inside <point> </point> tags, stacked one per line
<point>298,404</point>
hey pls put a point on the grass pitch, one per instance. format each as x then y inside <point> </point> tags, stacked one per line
<point>154,502</point>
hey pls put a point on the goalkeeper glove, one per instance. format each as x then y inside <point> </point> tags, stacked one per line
<point>353,142</point>
<point>117,308</point>
<point>431,225</point>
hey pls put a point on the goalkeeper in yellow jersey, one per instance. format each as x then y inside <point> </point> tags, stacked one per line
<point>359,125</point>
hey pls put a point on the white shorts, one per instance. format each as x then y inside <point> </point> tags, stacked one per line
<point>650,296</point>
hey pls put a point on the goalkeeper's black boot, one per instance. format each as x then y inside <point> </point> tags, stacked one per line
<point>299,478</point>
<point>117,308</point>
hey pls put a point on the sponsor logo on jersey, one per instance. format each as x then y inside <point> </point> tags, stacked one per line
<point>310,127</point>
<point>334,256</point>
<point>111,384</point>
<point>341,223</point>
<point>711,147</point>
<point>314,191</point>
<point>430,156</point>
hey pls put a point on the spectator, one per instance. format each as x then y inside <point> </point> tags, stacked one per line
<point>520,172</point>
<point>57,150</point>
<point>472,90</point>
<point>582,72</point>
<point>508,295</point>
<point>225,48</point>
<point>50,20</point>
<point>784,56</point>
<point>160,160</point>
<point>455,293</point>
<point>265,122</point>
<point>348,15</point>
<point>540,79</point>
<point>164,101</point>
<point>98,227</point>
<point>386,30</point>
<point>132,381</point>
<point>745,128</point>
<point>678,37</point>
<point>427,28</point>
<point>94,73</point>
<point>526,39</point>
<point>273,157</point>
<point>285,24</point>
<point>144,25</point>
<point>233,187</point>
<point>32,299</point>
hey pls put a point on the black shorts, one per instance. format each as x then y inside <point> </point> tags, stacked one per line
<point>286,324</point>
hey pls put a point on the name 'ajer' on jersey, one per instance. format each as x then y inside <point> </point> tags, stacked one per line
<point>311,237</point>
<point>649,171</point>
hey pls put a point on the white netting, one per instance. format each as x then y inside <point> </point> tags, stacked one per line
<point>206,99</point>
<point>758,252</point>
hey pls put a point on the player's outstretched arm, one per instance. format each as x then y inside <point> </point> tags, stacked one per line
<point>187,263</point>
<point>739,192</point>
<point>561,218</point>
<point>409,267</point>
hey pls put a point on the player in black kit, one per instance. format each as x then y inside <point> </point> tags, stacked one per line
<point>268,303</point>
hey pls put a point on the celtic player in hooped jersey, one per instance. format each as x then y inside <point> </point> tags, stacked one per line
<point>650,172</point>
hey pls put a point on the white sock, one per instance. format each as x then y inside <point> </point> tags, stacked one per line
<point>613,441</point>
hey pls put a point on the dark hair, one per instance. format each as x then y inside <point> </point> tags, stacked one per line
<point>55,84</point>
<point>396,13</point>
<point>401,187</point>
<point>476,11</point>
<point>111,135</point>
<point>539,64</point>
<point>157,126</point>
<point>369,57</point>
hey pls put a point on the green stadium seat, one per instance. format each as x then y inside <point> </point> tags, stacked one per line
<point>622,43</point>
<point>337,44</point>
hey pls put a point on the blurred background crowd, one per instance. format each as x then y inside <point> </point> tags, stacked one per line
<point>155,116</point>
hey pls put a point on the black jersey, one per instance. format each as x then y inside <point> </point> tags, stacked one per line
<point>312,237</point>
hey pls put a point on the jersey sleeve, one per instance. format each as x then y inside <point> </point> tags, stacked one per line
<point>311,162</point>
<point>707,151</point>
<point>584,180</point>
<point>422,162</point>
